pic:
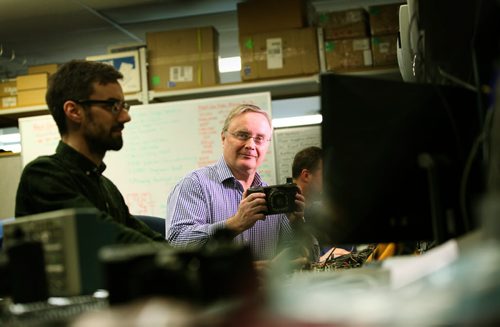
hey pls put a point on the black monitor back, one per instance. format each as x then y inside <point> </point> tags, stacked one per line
<point>377,135</point>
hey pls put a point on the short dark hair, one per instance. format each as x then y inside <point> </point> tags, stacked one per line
<point>74,81</point>
<point>308,158</point>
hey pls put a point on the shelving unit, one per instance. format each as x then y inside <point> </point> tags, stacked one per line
<point>279,88</point>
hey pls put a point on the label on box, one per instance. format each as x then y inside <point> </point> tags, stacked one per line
<point>361,44</point>
<point>383,47</point>
<point>12,90</point>
<point>249,43</point>
<point>329,46</point>
<point>354,16</point>
<point>274,53</point>
<point>181,74</point>
<point>9,102</point>
<point>367,57</point>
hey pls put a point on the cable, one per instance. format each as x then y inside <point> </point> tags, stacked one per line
<point>457,81</point>
<point>110,21</point>
<point>468,165</point>
<point>475,69</point>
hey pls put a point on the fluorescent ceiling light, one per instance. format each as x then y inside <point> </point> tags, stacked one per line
<point>297,121</point>
<point>229,64</point>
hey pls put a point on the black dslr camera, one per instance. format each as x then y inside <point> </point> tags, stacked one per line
<point>279,198</point>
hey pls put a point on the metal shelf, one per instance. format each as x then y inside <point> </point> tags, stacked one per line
<point>279,88</point>
<point>9,117</point>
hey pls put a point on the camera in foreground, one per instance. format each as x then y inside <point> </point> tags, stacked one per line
<point>279,198</point>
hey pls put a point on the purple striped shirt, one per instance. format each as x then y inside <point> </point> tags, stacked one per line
<point>202,201</point>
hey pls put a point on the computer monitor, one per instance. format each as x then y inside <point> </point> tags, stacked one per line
<point>394,156</point>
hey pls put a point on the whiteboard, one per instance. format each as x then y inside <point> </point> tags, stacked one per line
<point>162,143</point>
<point>287,142</point>
<point>39,136</point>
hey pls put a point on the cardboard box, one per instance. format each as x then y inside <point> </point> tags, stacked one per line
<point>384,49</point>
<point>260,16</point>
<point>34,81</point>
<point>37,69</point>
<point>181,59</point>
<point>344,24</point>
<point>8,88</point>
<point>7,102</point>
<point>126,63</point>
<point>384,19</point>
<point>31,97</point>
<point>279,54</point>
<point>348,54</point>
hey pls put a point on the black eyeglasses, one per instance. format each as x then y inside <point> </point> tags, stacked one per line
<point>244,136</point>
<point>115,106</point>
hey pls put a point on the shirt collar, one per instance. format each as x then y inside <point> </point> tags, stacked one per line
<point>78,159</point>
<point>224,173</point>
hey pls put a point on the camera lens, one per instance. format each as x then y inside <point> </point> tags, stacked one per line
<point>279,200</point>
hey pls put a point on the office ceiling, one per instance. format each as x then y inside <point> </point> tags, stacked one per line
<point>50,31</point>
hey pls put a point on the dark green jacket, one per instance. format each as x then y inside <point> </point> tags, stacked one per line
<point>68,179</point>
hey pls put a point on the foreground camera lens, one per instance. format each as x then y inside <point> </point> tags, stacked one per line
<point>278,200</point>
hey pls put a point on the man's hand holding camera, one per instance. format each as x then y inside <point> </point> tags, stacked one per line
<point>259,202</point>
<point>297,216</point>
<point>251,209</point>
<point>284,198</point>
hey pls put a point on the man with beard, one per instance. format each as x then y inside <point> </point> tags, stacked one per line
<point>87,104</point>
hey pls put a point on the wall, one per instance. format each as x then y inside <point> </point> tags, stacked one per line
<point>10,172</point>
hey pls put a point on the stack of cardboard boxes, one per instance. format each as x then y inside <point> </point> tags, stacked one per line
<point>357,39</point>
<point>180,59</point>
<point>347,42</point>
<point>31,88</point>
<point>276,39</point>
<point>8,93</point>
<point>26,90</point>
<point>384,26</point>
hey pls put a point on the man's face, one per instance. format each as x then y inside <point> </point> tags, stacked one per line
<point>246,156</point>
<point>102,129</point>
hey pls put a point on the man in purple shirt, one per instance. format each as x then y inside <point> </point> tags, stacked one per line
<point>215,197</point>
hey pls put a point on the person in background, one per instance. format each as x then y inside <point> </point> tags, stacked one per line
<point>87,104</point>
<point>307,173</point>
<point>215,197</point>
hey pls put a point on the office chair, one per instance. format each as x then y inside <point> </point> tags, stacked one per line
<point>2,221</point>
<point>155,223</point>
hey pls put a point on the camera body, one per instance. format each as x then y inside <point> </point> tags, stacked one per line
<point>279,198</point>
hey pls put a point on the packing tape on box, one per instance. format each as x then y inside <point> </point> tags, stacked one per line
<point>199,70</point>
<point>184,59</point>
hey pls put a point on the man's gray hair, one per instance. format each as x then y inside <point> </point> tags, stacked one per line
<point>241,109</point>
